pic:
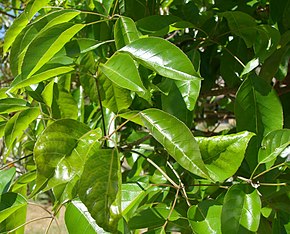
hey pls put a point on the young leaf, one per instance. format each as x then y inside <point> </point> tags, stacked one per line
<point>241,210</point>
<point>18,123</point>
<point>20,23</point>
<point>273,145</point>
<point>121,69</point>
<point>61,151</point>
<point>162,57</point>
<point>125,32</point>
<point>6,179</point>
<point>10,203</point>
<point>46,45</point>
<point>176,138</point>
<point>99,188</point>
<point>205,217</point>
<point>223,155</point>
<point>77,212</point>
<point>257,107</point>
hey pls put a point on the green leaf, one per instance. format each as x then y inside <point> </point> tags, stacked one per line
<point>205,217</point>
<point>223,155</point>
<point>153,217</point>
<point>99,188</point>
<point>121,69</point>
<point>241,210</point>
<point>125,32</point>
<point>162,57</point>
<point>231,67</point>
<point>46,45</point>
<point>6,179</point>
<point>132,116</point>
<point>8,105</point>
<point>257,107</point>
<point>176,138</point>
<point>77,213</point>
<point>61,151</point>
<point>114,97</point>
<point>242,25</point>
<point>66,103</point>
<point>10,203</point>
<point>267,41</point>
<point>37,78</point>
<point>189,91</point>
<point>20,23</point>
<point>21,43</point>
<point>18,123</point>
<point>273,145</point>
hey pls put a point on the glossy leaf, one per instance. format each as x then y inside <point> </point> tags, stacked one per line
<point>205,217</point>
<point>18,123</point>
<point>241,210</point>
<point>125,32</point>
<point>6,179</point>
<point>99,188</point>
<point>77,213</point>
<point>21,43</point>
<point>20,23</point>
<point>114,97</point>
<point>242,25</point>
<point>8,105</point>
<point>257,107</point>
<point>46,45</point>
<point>273,145</point>
<point>223,155</point>
<point>41,77</point>
<point>61,151</point>
<point>189,91</point>
<point>162,57</point>
<point>121,69</point>
<point>10,203</point>
<point>176,138</point>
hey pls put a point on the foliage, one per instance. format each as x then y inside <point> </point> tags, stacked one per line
<point>168,116</point>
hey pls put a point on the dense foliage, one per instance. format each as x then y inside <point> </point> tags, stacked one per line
<point>153,115</point>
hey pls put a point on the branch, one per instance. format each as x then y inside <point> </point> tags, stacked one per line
<point>5,13</point>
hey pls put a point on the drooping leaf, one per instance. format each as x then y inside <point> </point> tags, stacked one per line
<point>125,32</point>
<point>20,23</point>
<point>77,213</point>
<point>18,123</point>
<point>114,97</point>
<point>46,45</point>
<point>242,25</point>
<point>205,217</point>
<point>8,105</point>
<point>6,179</point>
<point>61,151</point>
<point>10,203</point>
<point>99,188</point>
<point>257,107</point>
<point>121,69</point>
<point>189,91</point>
<point>176,138</point>
<point>241,210</point>
<point>273,145</point>
<point>223,155</point>
<point>162,57</point>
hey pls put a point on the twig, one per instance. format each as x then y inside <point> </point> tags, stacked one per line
<point>270,169</point>
<point>18,160</point>
<point>5,13</point>
<point>102,111</point>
